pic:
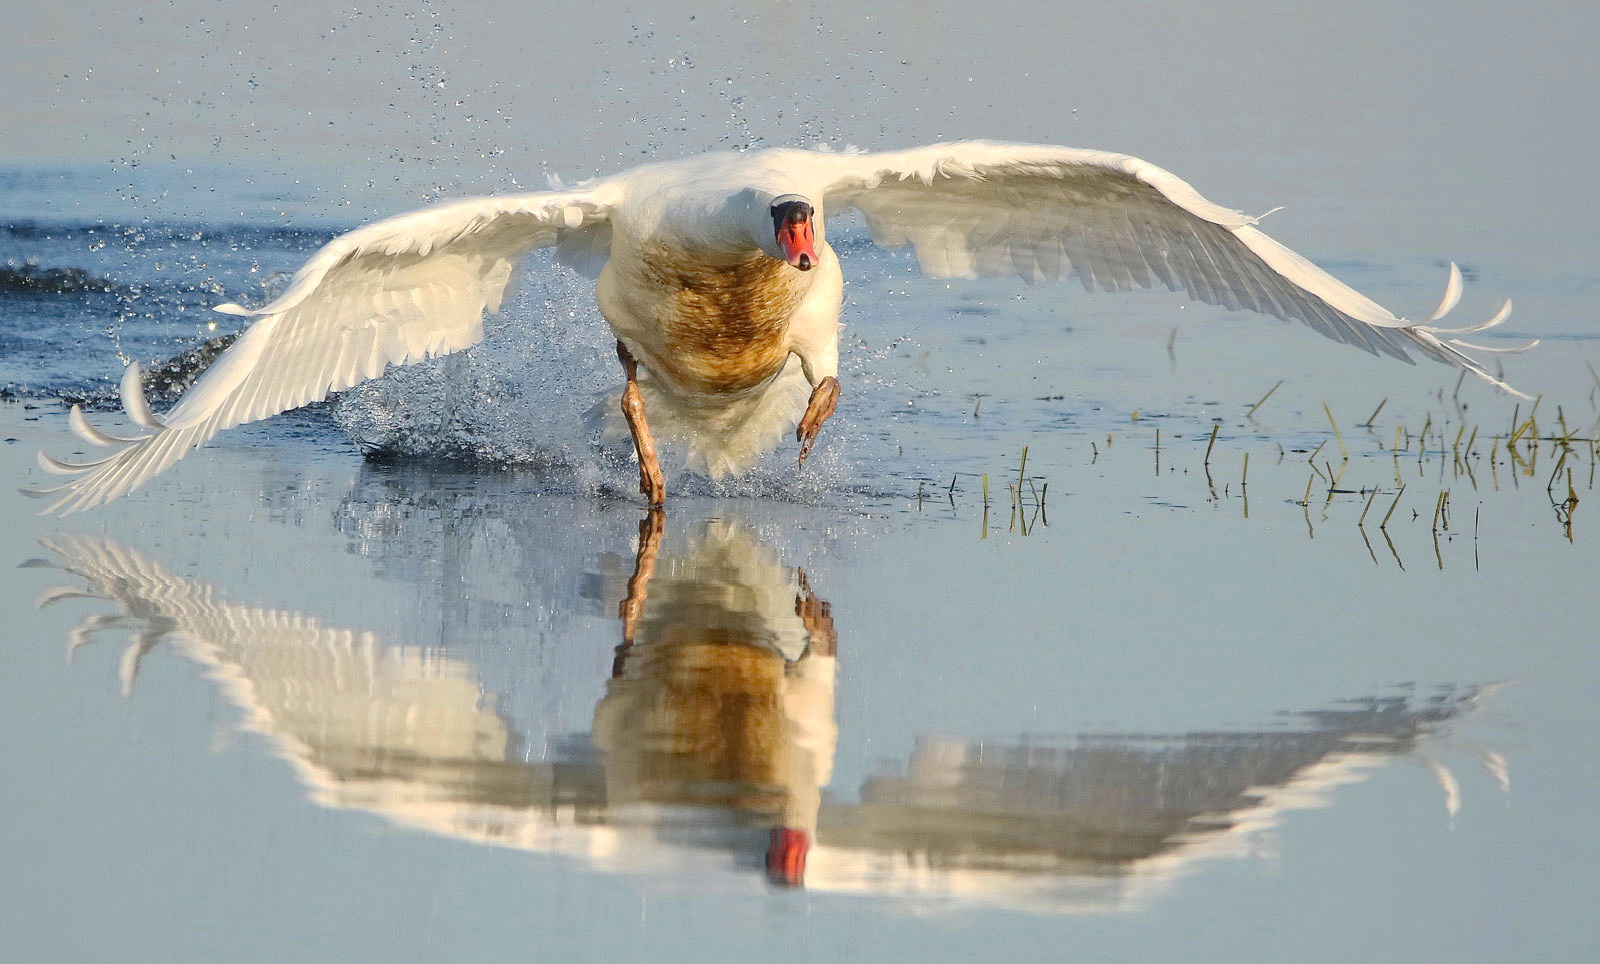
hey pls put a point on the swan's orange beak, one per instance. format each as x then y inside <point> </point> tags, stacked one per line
<point>799,242</point>
<point>786,856</point>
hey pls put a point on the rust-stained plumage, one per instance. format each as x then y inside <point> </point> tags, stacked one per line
<point>722,322</point>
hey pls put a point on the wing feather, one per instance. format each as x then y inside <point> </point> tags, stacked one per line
<point>393,292</point>
<point>985,208</point>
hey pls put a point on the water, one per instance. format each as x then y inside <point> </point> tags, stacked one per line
<point>322,707</point>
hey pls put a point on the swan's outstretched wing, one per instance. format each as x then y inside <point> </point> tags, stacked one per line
<point>982,208</point>
<point>393,292</point>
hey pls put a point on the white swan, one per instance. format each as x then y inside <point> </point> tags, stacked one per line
<point>715,274</point>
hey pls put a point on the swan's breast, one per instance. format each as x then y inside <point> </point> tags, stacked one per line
<point>719,326</point>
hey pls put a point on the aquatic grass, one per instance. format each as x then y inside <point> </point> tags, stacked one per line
<point>1374,416</point>
<point>1333,485</point>
<point>1556,450</point>
<point>1251,413</point>
<point>1343,452</point>
<point>1392,550</point>
<point>1244,482</point>
<point>1368,543</point>
<point>1361,522</point>
<point>1392,506</point>
<point>1475,512</point>
<point>1548,486</point>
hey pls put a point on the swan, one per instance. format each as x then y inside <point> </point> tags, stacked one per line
<point>716,277</point>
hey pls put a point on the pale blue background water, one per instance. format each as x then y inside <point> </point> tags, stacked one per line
<point>163,150</point>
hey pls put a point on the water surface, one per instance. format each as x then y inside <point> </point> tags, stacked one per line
<point>1158,701</point>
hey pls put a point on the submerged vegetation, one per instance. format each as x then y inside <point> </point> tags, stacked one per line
<point>1386,480</point>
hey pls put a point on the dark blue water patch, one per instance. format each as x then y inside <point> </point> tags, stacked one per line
<point>75,345</point>
<point>230,261</point>
<point>277,236</point>
<point>34,280</point>
<point>78,299</point>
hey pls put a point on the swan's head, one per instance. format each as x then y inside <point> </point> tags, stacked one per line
<point>786,856</point>
<point>793,230</point>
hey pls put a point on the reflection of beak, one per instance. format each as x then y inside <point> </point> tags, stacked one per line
<point>798,240</point>
<point>786,856</point>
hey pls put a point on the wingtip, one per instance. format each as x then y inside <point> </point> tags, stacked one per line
<point>80,426</point>
<point>1452,294</point>
<point>133,400</point>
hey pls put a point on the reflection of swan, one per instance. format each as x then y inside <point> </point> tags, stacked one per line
<point>714,741</point>
<point>722,291</point>
<point>723,689</point>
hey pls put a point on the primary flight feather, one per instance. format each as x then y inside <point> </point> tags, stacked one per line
<point>716,277</point>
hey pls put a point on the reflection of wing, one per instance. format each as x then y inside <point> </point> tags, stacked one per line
<point>359,720</point>
<point>1089,823</point>
<point>394,292</point>
<point>983,208</point>
<point>1099,822</point>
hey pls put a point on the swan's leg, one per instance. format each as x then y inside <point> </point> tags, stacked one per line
<point>817,616</point>
<point>651,482</point>
<point>824,399</point>
<point>644,566</point>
